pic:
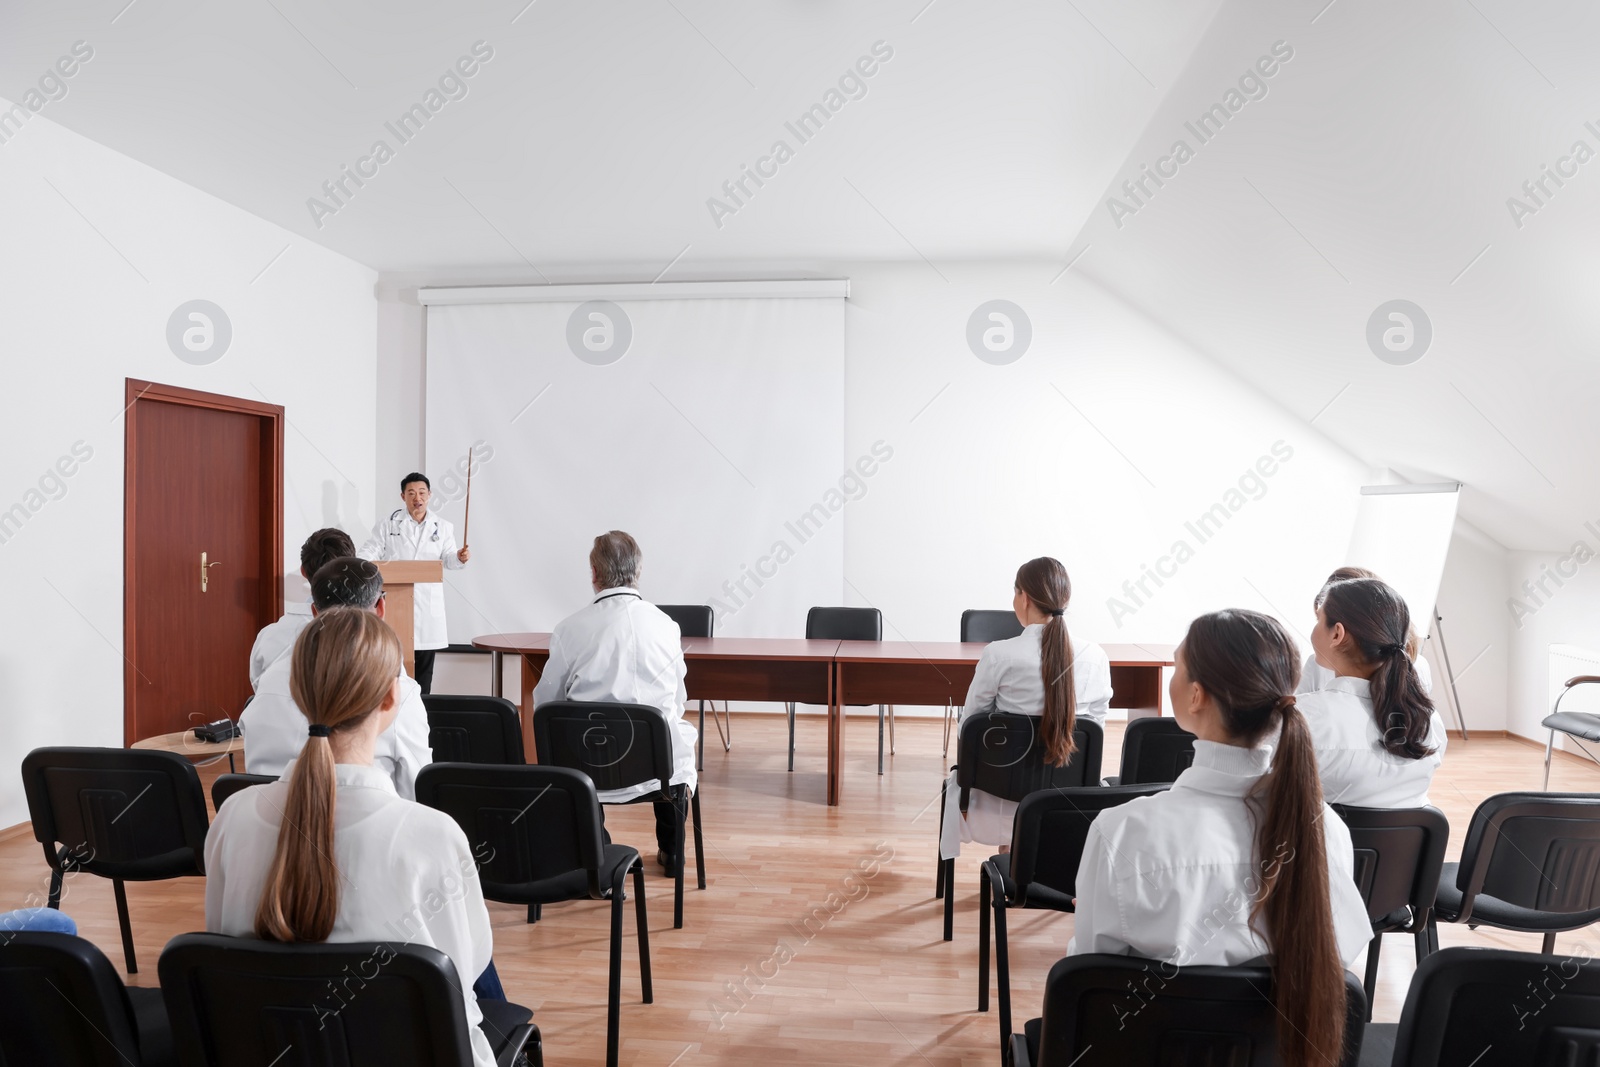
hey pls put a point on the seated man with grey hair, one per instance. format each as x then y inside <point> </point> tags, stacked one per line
<point>275,729</point>
<point>625,650</point>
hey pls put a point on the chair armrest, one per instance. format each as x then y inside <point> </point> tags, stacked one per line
<point>1019,1052</point>
<point>507,1056</point>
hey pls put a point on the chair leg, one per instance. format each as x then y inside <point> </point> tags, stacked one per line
<point>644,932</point>
<point>127,929</point>
<point>1549,746</point>
<point>791,737</point>
<point>614,991</point>
<point>55,888</point>
<point>1433,934</point>
<point>1421,938</point>
<point>699,842</point>
<point>938,878</point>
<point>983,937</point>
<point>1370,983</point>
<point>1002,959</point>
<point>700,742</point>
<point>949,899</point>
<point>680,805</point>
<point>880,738</point>
<point>533,913</point>
<point>1549,947</point>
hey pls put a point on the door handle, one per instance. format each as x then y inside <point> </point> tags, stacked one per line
<point>205,569</point>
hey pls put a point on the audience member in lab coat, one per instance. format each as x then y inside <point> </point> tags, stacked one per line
<point>330,852</point>
<point>1314,676</point>
<point>277,638</point>
<point>1378,737</point>
<point>623,649</point>
<point>274,726</point>
<point>1241,857</point>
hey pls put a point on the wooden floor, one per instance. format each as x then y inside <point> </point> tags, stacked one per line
<point>870,982</point>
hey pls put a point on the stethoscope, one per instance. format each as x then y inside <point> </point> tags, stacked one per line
<point>608,596</point>
<point>397,530</point>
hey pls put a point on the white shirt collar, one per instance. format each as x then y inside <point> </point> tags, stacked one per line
<point>297,607</point>
<point>1348,683</point>
<point>1226,770</point>
<point>426,515</point>
<point>616,591</point>
<point>352,775</point>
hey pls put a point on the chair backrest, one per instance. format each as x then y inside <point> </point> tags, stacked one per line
<point>1531,1010</point>
<point>1399,856</point>
<point>844,624</point>
<point>62,1002</point>
<point>121,812</point>
<point>694,620</point>
<point>1155,749</point>
<point>1533,850</point>
<point>240,1002</point>
<point>980,624</point>
<point>473,729</point>
<point>1101,1011</point>
<point>525,824</point>
<point>1049,833</point>
<point>616,745</point>
<point>228,784</point>
<point>1003,755</point>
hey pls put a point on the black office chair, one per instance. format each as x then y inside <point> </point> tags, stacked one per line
<point>240,1002</point>
<point>473,729</point>
<point>1154,749</point>
<point>545,844</point>
<point>1111,1011</point>
<point>1041,871</point>
<point>63,1003</point>
<point>1002,755</point>
<point>619,746</point>
<point>980,625</point>
<point>1493,1008</point>
<point>1530,862</point>
<point>226,785</point>
<point>1574,724</point>
<point>698,620</point>
<point>846,624</point>
<point>127,814</point>
<point>1399,855</point>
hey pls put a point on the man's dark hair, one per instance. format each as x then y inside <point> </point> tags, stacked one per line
<point>415,476</point>
<point>346,581</point>
<point>326,544</point>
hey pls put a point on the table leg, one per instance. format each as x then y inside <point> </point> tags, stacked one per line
<point>530,677</point>
<point>835,734</point>
<point>497,682</point>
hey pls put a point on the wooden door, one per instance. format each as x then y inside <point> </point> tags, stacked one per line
<point>204,475</point>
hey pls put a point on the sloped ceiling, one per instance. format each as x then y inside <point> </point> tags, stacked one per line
<point>1374,164</point>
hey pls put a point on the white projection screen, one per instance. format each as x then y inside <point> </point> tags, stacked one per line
<point>1403,534</point>
<point>721,423</point>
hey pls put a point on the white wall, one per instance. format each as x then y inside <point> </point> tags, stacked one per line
<point>1567,613</point>
<point>98,252</point>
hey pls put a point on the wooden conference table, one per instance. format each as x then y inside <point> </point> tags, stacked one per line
<point>835,674</point>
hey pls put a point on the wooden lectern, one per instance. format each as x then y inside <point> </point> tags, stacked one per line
<point>399,576</point>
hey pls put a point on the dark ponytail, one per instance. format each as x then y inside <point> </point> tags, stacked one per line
<point>1379,623</point>
<point>1248,665</point>
<point>1044,581</point>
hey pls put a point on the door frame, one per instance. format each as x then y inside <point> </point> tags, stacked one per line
<point>271,507</point>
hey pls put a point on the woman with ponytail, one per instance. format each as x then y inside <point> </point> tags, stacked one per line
<point>330,852</point>
<point>1240,858</point>
<point>1314,676</point>
<point>1038,672</point>
<point>1378,737</point>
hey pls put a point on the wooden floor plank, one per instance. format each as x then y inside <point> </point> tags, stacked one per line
<point>794,955</point>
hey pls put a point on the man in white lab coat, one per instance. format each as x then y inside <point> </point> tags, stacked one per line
<point>625,650</point>
<point>277,638</point>
<point>414,532</point>
<point>275,727</point>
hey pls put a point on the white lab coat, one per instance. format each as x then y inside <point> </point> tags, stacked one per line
<point>401,537</point>
<point>1355,767</point>
<point>1008,678</point>
<point>1174,876</point>
<point>1315,676</point>
<point>628,651</point>
<point>406,874</point>
<point>277,639</point>
<point>275,731</point>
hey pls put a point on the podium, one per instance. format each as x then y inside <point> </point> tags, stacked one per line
<point>400,577</point>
